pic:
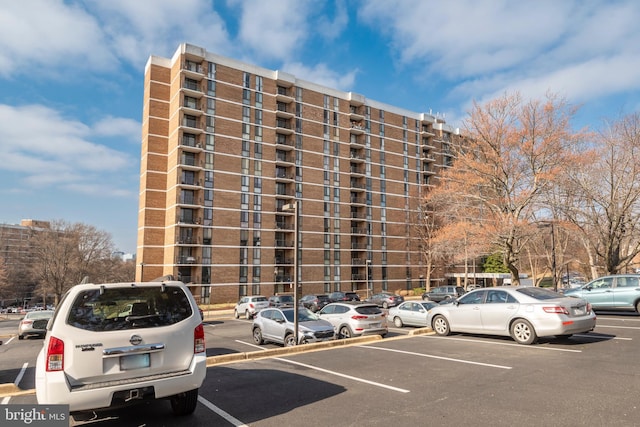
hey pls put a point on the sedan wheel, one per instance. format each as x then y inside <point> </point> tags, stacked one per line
<point>257,336</point>
<point>385,305</point>
<point>344,332</point>
<point>441,325</point>
<point>522,332</point>
<point>398,322</point>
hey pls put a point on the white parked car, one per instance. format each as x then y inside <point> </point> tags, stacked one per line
<point>411,313</point>
<point>523,313</point>
<point>277,325</point>
<point>249,306</point>
<point>354,318</point>
<point>119,343</point>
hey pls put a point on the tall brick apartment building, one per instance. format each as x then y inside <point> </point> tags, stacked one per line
<point>229,149</point>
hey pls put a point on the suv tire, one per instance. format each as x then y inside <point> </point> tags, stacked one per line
<point>344,332</point>
<point>257,336</point>
<point>235,314</point>
<point>184,403</point>
<point>289,340</point>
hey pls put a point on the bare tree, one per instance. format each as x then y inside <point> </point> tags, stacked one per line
<point>514,151</point>
<point>602,197</point>
<point>67,253</point>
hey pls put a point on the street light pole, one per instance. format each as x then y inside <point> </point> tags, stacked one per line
<point>553,258</point>
<point>294,207</point>
<point>368,284</point>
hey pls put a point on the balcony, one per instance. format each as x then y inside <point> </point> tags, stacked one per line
<point>284,94</point>
<point>357,184</point>
<point>357,170</point>
<point>284,243</point>
<point>284,158</point>
<point>357,141</point>
<point>192,87</point>
<point>191,163</point>
<point>192,69</point>
<point>284,175</point>
<point>193,123</point>
<point>186,259</point>
<point>285,193</point>
<point>355,114</point>
<point>283,126</point>
<point>356,156</point>
<point>358,230</point>
<point>357,128</point>
<point>283,110</point>
<point>284,142</point>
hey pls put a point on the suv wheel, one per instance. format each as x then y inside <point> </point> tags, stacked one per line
<point>184,403</point>
<point>289,340</point>
<point>385,305</point>
<point>235,314</point>
<point>247,315</point>
<point>257,336</point>
<point>344,332</point>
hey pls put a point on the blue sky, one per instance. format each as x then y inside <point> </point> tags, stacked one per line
<point>71,75</point>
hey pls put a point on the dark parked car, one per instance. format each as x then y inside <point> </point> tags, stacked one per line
<point>343,296</point>
<point>314,302</point>
<point>281,301</point>
<point>442,293</point>
<point>385,299</point>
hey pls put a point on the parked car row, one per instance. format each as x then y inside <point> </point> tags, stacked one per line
<point>335,320</point>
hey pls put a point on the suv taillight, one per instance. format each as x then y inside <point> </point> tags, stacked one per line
<point>198,339</point>
<point>55,355</point>
<point>359,317</point>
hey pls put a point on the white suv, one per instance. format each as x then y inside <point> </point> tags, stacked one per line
<point>119,343</point>
<point>250,306</point>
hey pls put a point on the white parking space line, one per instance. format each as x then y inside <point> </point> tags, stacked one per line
<point>430,356</point>
<point>501,343</point>
<point>21,374</point>
<point>233,420</point>
<point>617,327</point>
<point>326,371</point>
<point>250,344</point>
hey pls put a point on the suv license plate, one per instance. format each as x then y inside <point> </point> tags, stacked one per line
<point>135,361</point>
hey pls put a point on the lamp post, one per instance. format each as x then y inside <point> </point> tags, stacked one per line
<point>553,254</point>
<point>288,208</point>
<point>368,269</point>
<point>553,258</point>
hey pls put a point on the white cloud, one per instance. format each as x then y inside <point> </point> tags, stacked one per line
<point>322,75</point>
<point>118,126</point>
<point>273,29</point>
<point>138,29</point>
<point>36,35</point>
<point>55,151</point>
<point>581,50</point>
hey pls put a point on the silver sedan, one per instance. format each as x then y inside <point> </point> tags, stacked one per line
<point>523,313</point>
<point>411,313</point>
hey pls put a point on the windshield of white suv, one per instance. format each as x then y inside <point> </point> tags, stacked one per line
<point>127,308</point>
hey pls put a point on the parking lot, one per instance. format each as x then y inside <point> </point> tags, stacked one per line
<point>589,379</point>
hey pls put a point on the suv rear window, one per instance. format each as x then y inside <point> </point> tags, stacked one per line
<point>129,308</point>
<point>368,309</point>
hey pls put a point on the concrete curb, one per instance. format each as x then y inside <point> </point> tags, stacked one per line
<point>275,352</point>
